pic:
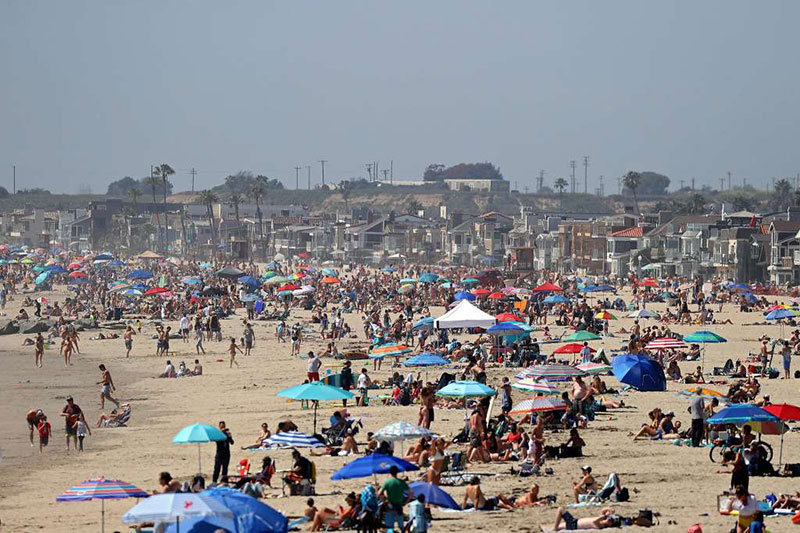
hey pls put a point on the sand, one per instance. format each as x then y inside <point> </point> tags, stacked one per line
<point>678,482</point>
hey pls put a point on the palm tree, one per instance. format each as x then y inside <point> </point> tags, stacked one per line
<point>164,171</point>
<point>153,182</point>
<point>782,195</point>
<point>135,193</point>
<point>632,180</point>
<point>208,198</point>
<point>414,206</point>
<point>263,182</point>
<point>258,194</point>
<point>234,199</point>
<point>560,185</point>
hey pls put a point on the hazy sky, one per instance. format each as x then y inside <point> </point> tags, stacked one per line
<point>94,91</point>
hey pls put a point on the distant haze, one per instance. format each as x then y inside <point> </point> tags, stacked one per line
<point>93,91</point>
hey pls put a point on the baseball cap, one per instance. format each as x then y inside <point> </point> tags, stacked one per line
<point>69,398</point>
<point>587,469</point>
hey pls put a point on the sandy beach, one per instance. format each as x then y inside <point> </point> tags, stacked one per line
<point>680,483</point>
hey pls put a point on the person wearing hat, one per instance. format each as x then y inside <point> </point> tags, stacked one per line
<point>587,484</point>
<point>71,412</point>
<point>32,418</point>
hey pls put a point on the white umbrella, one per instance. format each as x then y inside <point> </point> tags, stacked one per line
<point>402,431</point>
<point>171,507</point>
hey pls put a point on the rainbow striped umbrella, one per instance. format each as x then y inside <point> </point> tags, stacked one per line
<point>543,386</point>
<point>593,368</point>
<point>605,315</point>
<point>552,372</point>
<point>101,489</point>
<point>665,343</point>
<point>538,405</point>
<point>391,349</point>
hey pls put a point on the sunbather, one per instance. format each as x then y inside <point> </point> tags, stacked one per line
<point>330,519</point>
<point>565,521</point>
<point>474,498</point>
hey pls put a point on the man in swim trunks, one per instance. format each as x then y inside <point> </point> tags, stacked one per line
<point>106,387</point>
<point>71,412</point>
<point>480,502</point>
<point>565,521</point>
<point>32,417</point>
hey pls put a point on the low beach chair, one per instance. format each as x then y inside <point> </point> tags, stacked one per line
<point>120,420</point>
<point>454,471</point>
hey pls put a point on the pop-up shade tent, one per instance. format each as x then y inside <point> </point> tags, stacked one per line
<point>464,315</point>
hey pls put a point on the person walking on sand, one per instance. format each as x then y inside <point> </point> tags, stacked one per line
<point>248,336</point>
<point>66,348</point>
<point>71,412</point>
<point>232,349</point>
<point>106,387</point>
<point>44,429</point>
<point>38,350</point>
<point>198,343</point>
<point>128,338</point>
<point>184,327</point>
<point>82,429</point>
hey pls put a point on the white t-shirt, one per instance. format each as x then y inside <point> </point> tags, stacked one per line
<point>314,363</point>
<point>363,381</point>
<point>184,323</point>
<point>745,509</point>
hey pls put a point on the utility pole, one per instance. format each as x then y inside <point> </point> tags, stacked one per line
<point>308,167</point>
<point>721,184</point>
<point>193,172</point>
<point>540,183</point>
<point>369,171</point>
<point>729,180</point>
<point>377,172</point>
<point>14,179</point>
<point>391,171</point>
<point>572,166</point>
<point>296,178</point>
<point>773,183</point>
<point>385,173</point>
<point>692,182</point>
<point>744,183</point>
<point>322,163</point>
<point>681,186</point>
<point>585,174</point>
<point>602,189</point>
<point>526,189</point>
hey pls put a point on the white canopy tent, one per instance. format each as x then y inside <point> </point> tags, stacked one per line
<point>464,315</point>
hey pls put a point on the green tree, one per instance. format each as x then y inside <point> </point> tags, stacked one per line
<point>164,171</point>
<point>632,180</point>
<point>134,193</point>
<point>258,193</point>
<point>560,185</point>
<point>413,205</point>
<point>782,195</point>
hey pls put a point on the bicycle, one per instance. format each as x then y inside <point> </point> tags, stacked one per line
<point>717,452</point>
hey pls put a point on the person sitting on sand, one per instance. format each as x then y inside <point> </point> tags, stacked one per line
<point>264,435</point>
<point>329,519</point>
<point>167,484</point>
<point>586,485</point>
<point>349,447</point>
<point>169,371</point>
<point>695,377</point>
<point>22,315</point>
<point>650,430</point>
<point>479,502</point>
<point>530,498</point>
<point>574,445</point>
<point>198,368</point>
<point>115,415</point>
<point>674,371</point>
<point>565,521</point>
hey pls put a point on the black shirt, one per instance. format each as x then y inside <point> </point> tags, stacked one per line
<point>224,446</point>
<point>346,378</point>
<point>304,465</point>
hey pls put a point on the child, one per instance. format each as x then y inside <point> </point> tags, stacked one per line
<point>139,325</point>
<point>416,513</point>
<point>82,429</point>
<point>232,349</point>
<point>44,432</point>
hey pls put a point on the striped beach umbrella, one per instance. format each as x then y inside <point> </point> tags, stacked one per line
<point>532,385</point>
<point>391,349</point>
<point>605,315</point>
<point>665,343</point>
<point>293,439</point>
<point>593,368</point>
<point>553,372</point>
<point>101,489</point>
<point>538,405</point>
<point>402,431</point>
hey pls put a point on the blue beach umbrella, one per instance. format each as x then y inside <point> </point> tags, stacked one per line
<point>41,278</point>
<point>191,280</point>
<point>423,323</point>
<point>434,495</point>
<point>116,263</point>
<point>429,277</point>
<point>742,413</point>
<point>317,392</point>
<point>198,434</point>
<point>505,329</point>
<point>140,274</point>
<point>555,299</point>
<point>250,281</point>
<point>639,371</point>
<point>249,515</point>
<point>372,464</point>
<point>57,269</point>
<point>781,313</point>
<point>465,389</point>
<point>463,295</point>
<point>426,359</point>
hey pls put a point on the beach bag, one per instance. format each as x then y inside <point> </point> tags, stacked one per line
<point>645,518</point>
<point>695,528</point>
<point>623,495</point>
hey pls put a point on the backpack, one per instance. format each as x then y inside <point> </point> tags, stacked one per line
<point>623,495</point>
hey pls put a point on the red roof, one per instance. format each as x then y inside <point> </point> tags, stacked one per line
<point>628,232</point>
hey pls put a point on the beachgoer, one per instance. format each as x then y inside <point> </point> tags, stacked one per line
<point>223,456</point>
<point>106,387</point>
<point>232,349</point>
<point>44,430</point>
<point>565,520</point>
<point>33,417</point>
<point>71,413</point>
<point>395,493</point>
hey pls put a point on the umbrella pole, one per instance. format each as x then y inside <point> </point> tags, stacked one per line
<point>199,464</point>
<point>103,511</point>
<point>315,417</point>
<point>178,525</point>
<point>780,455</point>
